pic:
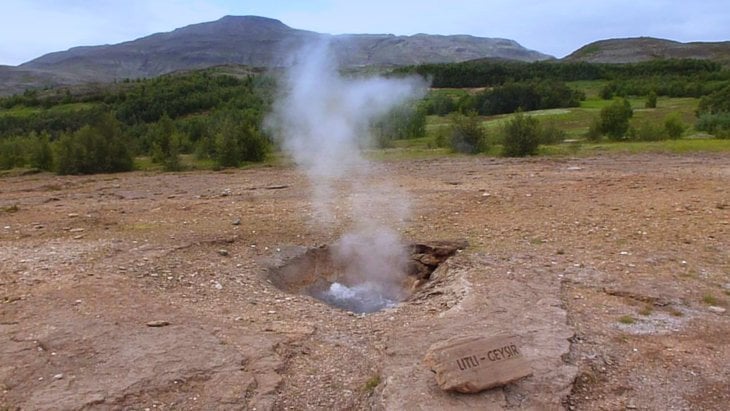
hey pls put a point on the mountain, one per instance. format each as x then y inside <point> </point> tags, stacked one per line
<point>247,40</point>
<point>632,50</point>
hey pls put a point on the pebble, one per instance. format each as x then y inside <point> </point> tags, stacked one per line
<point>716,309</point>
<point>158,323</point>
<point>76,230</point>
<point>58,376</point>
<point>236,221</point>
<point>223,252</point>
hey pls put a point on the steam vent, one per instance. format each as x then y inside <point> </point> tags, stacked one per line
<point>320,274</point>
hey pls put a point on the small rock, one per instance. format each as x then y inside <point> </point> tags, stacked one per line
<point>223,252</point>
<point>73,215</point>
<point>236,221</point>
<point>716,309</point>
<point>631,405</point>
<point>58,376</point>
<point>76,230</point>
<point>158,323</point>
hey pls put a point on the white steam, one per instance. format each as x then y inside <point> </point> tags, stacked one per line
<point>322,121</point>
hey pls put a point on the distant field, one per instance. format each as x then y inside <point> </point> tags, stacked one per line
<point>575,122</point>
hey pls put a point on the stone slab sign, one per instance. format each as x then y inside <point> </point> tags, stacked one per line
<point>471,364</point>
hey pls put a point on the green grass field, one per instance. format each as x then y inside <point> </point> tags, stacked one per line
<point>575,122</point>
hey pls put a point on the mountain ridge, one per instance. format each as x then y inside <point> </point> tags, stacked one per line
<point>247,40</point>
<point>226,34</point>
<point>638,49</point>
<point>257,41</point>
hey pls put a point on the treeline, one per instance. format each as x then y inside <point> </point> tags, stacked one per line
<point>490,73</point>
<point>507,98</point>
<point>213,116</point>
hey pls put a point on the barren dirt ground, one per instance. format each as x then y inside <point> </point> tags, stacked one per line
<point>614,271</point>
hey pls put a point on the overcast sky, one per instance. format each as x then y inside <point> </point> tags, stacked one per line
<point>31,28</point>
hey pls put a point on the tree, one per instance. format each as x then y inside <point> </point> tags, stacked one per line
<point>521,136</point>
<point>614,118</point>
<point>466,134</point>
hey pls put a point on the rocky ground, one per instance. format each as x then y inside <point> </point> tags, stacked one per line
<point>151,291</point>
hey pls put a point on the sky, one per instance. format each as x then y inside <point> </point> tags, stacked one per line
<point>31,28</point>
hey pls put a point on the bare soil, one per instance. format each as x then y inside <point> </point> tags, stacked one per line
<point>138,291</point>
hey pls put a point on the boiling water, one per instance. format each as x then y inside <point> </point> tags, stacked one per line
<point>360,298</point>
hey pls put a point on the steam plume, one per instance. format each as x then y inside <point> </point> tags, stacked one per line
<point>322,120</point>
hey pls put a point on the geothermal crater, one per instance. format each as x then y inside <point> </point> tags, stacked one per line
<point>321,273</point>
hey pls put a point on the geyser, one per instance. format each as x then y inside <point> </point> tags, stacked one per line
<point>322,120</point>
<point>320,272</point>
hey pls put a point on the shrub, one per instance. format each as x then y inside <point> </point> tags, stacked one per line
<point>673,126</point>
<point>521,136</point>
<point>651,100</point>
<point>646,131</point>
<point>615,119</point>
<point>403,122</point>
<point>236,143</point>
<point>93,149</point>
<point>41,155</point>
<point>166,144</point>
<point>439,104</point>
<point>550,133</point>
<point>594,130</point>
<point>716,102</point>
<point>714,123</point>
<point>12,153</point>
<point>467,134</point>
